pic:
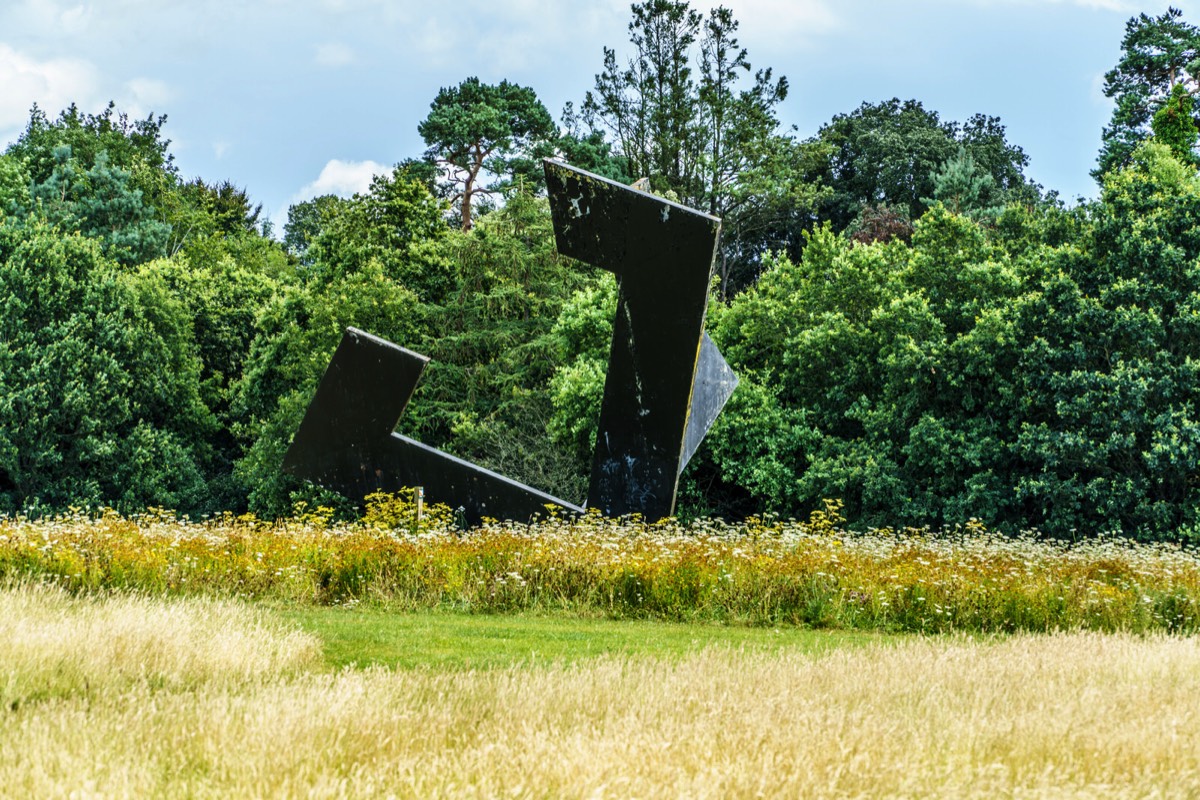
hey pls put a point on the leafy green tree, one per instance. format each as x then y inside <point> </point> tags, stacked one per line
<point>226,208</point>
<point>14,187</point>
<point>107,176</point>
<point>476,128</point>
<point>650,105</point>
<point>737,122</point>
<point>191,315</point>
<point>754,177</point>
<point>773,205</point>
<point>964,187</point>
<point>1023,229</point>
<point>874,374</point>
<point>99,384</point>
<point>136,146</point>
<point>486,393</point>
<point>957,269</point>
<point>682,113</point>
<point>306,220</point>
<point>882,153</point>
<point>802,339</point>
<point>691,131</point>
<point>396,223</point>
<point>722,60</point>
<point>1116,442</point>
<point>1037,373</point>
<point>1157,53</point>
<point>583,332</point>
<point>222,291</point>
<point>1175,125</point>
<point>890,153</point>
<point>983,137</point>
<point>589,149</point>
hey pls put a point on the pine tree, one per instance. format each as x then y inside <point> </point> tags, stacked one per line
<point>1157,54</point>
<point>962,185</point>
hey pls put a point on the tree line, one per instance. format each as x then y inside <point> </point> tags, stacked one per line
<point>921,331</point>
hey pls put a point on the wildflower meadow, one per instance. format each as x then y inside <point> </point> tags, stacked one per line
<point>761,572</point>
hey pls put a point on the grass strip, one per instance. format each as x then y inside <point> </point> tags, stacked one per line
<point>364,637</point>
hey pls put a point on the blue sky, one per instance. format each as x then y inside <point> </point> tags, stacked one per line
<point>293,98</point>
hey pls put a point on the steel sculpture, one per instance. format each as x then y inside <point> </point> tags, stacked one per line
<point>345,441</point>
<point>662,254</point>
<point>665,386</point>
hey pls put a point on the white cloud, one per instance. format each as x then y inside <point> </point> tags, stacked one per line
<point>780,24</point>
<point>342,178</point>
<point>143,96</point>
<point>50,16</point>
<point>52,84</point>
<point>1122,6</point>
<point>334,54</point>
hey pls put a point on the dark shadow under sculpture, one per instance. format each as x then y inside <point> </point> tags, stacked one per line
<point>666,380</point>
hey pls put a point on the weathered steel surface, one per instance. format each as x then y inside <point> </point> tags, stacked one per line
<point>662,254</point>
<point>346,443</point>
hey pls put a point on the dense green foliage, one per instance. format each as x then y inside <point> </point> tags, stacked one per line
<point>978,372</point>
<point>893,154</point>
<point>99,386</point>
<point>920,332</point>
<point>1157,54</point>
<point>1175,124</point>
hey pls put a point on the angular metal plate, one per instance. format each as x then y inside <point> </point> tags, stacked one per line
<point>712,388</point>
<point>662,254</point>
<point>346,443</point>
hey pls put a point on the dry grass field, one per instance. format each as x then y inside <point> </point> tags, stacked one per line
<point>120,696</point>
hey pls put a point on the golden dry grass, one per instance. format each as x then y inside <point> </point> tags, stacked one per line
<point>1063,715</point>
<point>55,645</point>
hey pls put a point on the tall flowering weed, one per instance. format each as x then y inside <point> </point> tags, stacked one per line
<point>759,572</point>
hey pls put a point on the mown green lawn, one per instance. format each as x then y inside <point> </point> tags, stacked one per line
<point>362,637</point>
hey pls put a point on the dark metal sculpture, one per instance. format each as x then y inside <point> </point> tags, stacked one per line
<point>345,441</point>
<point>662,254</point>
<point>666,380</point>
